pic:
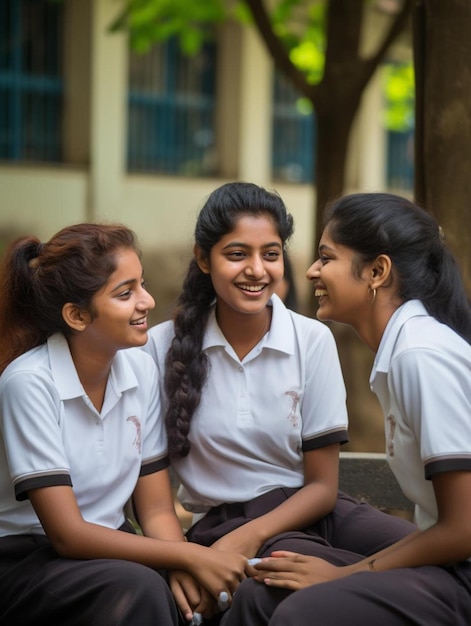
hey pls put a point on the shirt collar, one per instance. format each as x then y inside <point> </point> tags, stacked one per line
<point>280,336</point>
<point>65,375</point>
<point>411,308</point>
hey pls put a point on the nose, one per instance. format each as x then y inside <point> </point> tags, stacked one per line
<point>314,271</point>
<point>255,267</point>
<point>146,301</point>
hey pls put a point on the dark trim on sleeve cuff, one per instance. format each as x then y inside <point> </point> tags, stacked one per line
<point>36,482</point>
<point>327,439</point>
<point>154,465</point>
<point>453,464</point>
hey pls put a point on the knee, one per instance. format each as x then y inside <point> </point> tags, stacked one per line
<point>138,594</point>
<point>247,593</point>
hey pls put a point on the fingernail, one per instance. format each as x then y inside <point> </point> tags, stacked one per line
<point>223,601</point>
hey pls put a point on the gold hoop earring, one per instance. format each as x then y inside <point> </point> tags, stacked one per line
<point>371,295</point>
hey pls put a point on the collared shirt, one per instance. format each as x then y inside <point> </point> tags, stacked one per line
<point>53,435</point>
<point>258,415</point>
<point>422,378</point>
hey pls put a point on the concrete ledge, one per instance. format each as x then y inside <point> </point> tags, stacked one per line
<point>366,476</point>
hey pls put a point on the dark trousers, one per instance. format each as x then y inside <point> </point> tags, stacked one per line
<point>425,596</point>
<point>39,587</point>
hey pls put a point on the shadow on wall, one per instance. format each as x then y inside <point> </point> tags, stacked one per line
<point>164,271</point>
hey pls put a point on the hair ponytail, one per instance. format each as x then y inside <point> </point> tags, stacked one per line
<point>36,280</point>
<point>382,223</point>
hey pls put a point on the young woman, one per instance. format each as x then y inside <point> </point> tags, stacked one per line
<point>385,270</point>
<point>81,435</point>
<point>255,400</point>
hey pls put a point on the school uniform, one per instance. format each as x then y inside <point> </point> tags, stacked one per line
<point>427,432</point>
<point>256,418</point>
<point>52,435</point>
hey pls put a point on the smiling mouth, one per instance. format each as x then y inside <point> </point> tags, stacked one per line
<point>320,292</point>
<point>252,288</point>
<point>139,322</point>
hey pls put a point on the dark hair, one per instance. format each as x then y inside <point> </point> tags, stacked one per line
<point>291,298</point>
<point>186,364</point>
<point>37,279</point>
<point>381,223</point>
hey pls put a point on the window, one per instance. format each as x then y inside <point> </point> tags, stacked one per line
<point>293,132</point>
<point>31,84</point>
<point>400,160</point>
<point>171,111</point>
<point>398,121</point>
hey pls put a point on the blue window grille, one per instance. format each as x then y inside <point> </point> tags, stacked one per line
<point>171,110</point>
<point>31,83</point>
<point>293,133</point>
<point>400,160</point>
<point>398,119</point>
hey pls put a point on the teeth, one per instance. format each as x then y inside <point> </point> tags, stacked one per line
<point>320,292</point>
<point>252,287</point>
<point>142,320</point>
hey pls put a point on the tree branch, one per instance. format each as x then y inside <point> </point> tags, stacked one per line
<point>277,50</point>
<point>396,28</point>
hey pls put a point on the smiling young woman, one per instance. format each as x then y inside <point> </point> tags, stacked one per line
<point>385,270</point>
<point>81,435</point>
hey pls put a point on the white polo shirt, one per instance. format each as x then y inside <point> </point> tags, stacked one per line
<point>53,435</point>
<point>422,378</point>
<point>258,415</point>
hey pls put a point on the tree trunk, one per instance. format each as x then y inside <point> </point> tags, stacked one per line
<point>442,54</point>
<point>333,133</point>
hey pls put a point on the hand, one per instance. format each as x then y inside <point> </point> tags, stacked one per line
<point>294,571</point>
<point>217,571</point>
<point>190,596</point>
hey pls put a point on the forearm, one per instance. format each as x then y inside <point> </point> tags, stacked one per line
<point>91,541</point>
<point>309,504</point>
<point>436,546</point>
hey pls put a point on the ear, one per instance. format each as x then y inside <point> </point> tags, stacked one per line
<point>202,260</point>
<point>75,317</point>
<point>381,271</point>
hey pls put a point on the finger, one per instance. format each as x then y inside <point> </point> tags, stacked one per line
<point>183,604</point>
<point>284,583</point>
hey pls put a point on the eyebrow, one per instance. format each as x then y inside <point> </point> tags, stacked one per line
<point>324,247</point>
<point>125,283</point>
<point>240,244</point>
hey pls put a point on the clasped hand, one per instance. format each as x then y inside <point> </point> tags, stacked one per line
<point>294,571</point>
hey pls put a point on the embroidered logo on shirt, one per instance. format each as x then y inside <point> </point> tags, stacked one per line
<point>293,418</point>
<point>391,421</point>
<point>137,439</point>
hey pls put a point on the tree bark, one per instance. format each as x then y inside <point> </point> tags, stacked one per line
<point>442,57</point>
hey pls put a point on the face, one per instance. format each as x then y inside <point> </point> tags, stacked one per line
<point>343,296</point>
<point>121,307</point>
<point>246,265</point>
